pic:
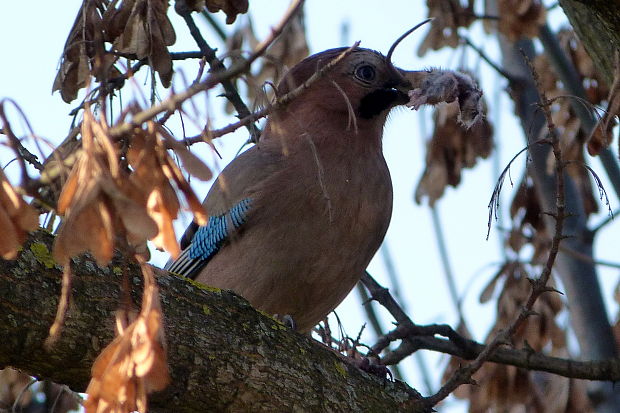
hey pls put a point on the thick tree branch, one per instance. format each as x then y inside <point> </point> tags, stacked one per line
<point>223,355</point>
<point>597,22</point>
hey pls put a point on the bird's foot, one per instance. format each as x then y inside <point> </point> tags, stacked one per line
<point>371,366</point>
<point>287,320</point>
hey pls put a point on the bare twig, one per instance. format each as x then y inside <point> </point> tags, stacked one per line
<point>14,142</point>
<point>539,286</point>
<point>174,101</point>
<point>495,198</point>
<point>280,102</point>
<point>216,65</point>
<point>488,60</point>
<point>405,327</point>
<point>21,393</point>
<point>416,337</point>
<point>372,317</point>
<point>603,370</point>
<point>587,258</point>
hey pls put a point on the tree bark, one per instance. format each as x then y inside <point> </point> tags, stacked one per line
<point>597,23</point>
<point>223,354</point>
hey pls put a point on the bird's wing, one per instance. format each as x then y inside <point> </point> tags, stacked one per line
<point>229,205</point>
<point>207,240</point>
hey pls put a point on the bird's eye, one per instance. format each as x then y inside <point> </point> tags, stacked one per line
<point>365,73</point>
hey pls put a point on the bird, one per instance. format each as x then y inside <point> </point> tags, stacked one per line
<point>295,220</point>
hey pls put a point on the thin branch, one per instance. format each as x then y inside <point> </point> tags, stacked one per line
<point>175,101</point>
<point>405,325</point>
<point>495,196</point>
<point>488,60</point>
<point>216,65</point>
<point>14,144</point>
<point>539,286</point>
<point>571,80</point>
<point>602,370</point>
<point>587,258</point>
<point>605,222</point>
<point>371,316</point>
<point>416,337</point>
<point>280,102</point>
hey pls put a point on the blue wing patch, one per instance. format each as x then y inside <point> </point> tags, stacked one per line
<point>208,239</point>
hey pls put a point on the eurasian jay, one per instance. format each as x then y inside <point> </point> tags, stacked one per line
<point>295,220</point>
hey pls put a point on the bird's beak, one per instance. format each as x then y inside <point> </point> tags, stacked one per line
<point>402,83</point>
<point>403,79</point>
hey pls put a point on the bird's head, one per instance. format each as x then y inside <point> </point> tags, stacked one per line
<point>364,83</point>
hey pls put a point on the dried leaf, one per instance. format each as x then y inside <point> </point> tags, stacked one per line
<point>134,363</point>
<point>193,165</point>
<point>9,242</point>
<point>133,215</point>
<point>448,16</point>
<point>154,171</point>
<point>194,204</point>
<point>88,229</point>
<point>230,7</point>
<point>601,136</point>
<point>68,192</point>
<point>63,306</point>
<point>451,149</point>
<point>520,18</point>
<point>194,5</point>
<point>162,209</point>
<point>16,219</point>
<point>142,28</point>
<point>84,43</point>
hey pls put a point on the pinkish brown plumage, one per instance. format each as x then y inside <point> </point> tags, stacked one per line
<point>296,219</point>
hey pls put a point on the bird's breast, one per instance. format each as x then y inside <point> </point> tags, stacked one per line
<point>337,217</point>
<point>315,225</point>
